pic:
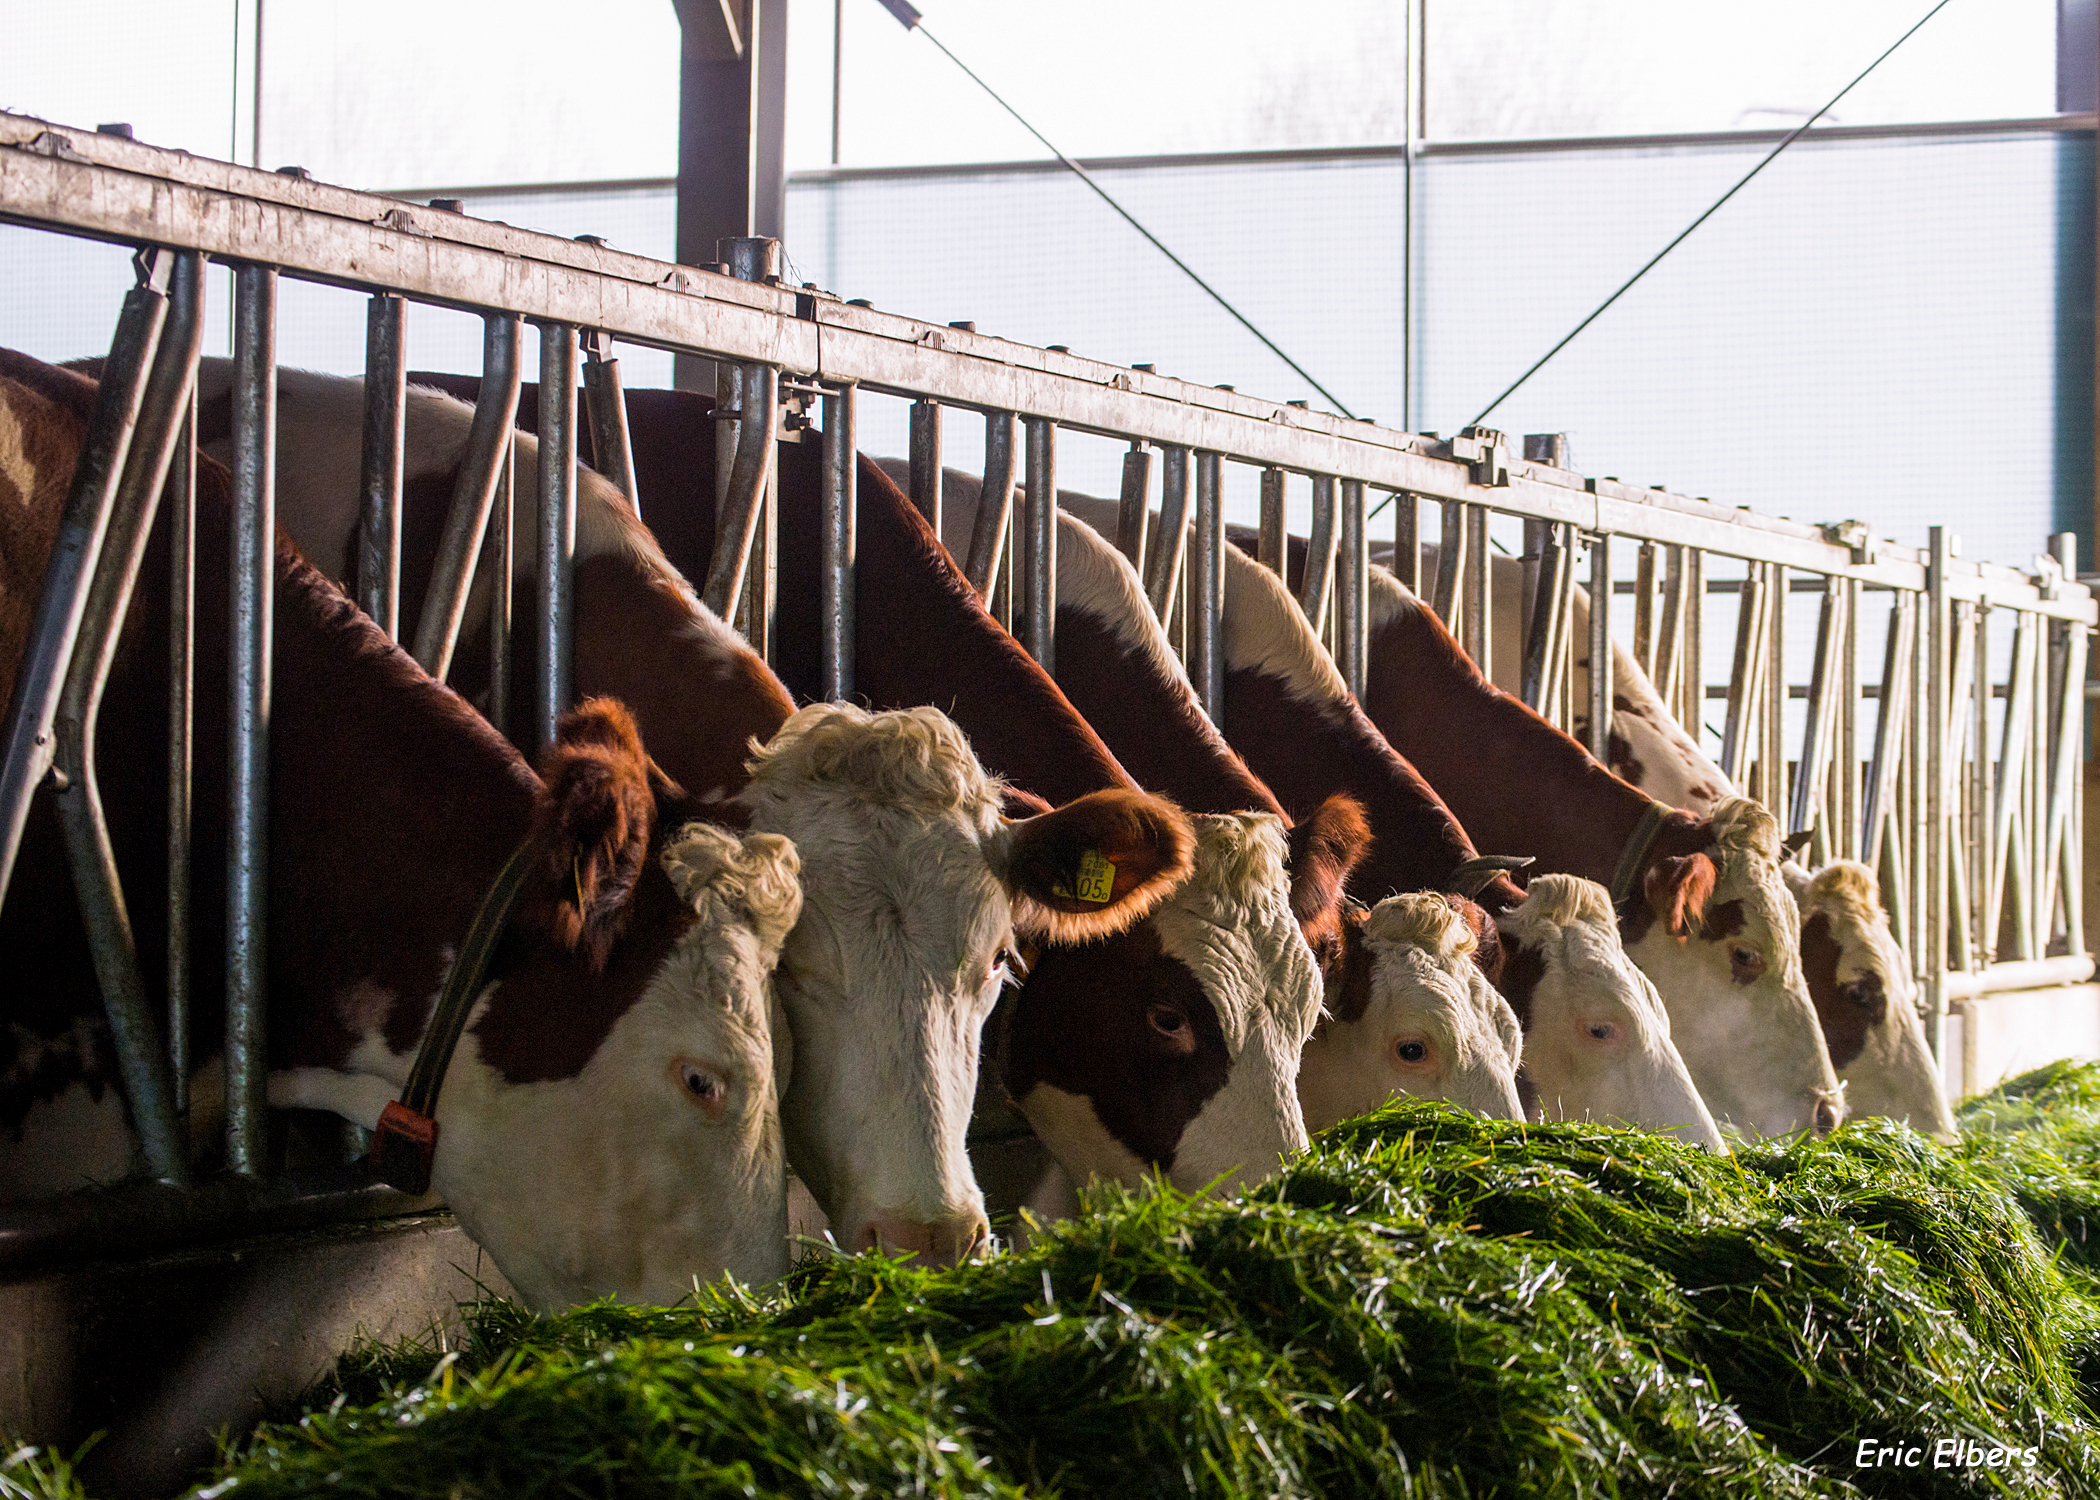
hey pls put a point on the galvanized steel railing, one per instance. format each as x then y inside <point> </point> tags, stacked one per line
<point>1928,788</point>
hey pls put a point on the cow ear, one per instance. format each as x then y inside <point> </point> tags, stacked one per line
<point>755,874</point>
<point>1678,888</point>
<point>1325,848</point>
<point>1488,953</point>
<point>1094,866</point>
<point>592,824</point>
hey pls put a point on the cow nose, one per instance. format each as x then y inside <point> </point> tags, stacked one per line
<point>1826,1117</point>
<point>944,1242</point>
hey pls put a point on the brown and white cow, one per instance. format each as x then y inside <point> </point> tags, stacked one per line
<point>609,1124</point>
<point>1707,915</point>
<point>911,881</point>
<point>1296,725</point>
<point>1858,976</point>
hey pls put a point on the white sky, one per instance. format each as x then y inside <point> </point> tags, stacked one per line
<point>429,93</point>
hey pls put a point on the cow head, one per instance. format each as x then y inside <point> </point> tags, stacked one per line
<point>1414,1016</point>
<point>915,891</point>
<point>1718,932</point>
<point>1174,1048</point>
<point>1861,984</point>
<point>1597,1045</point>
<point>610,1123</point>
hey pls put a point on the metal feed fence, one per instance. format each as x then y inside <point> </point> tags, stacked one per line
<point>1975,825</point>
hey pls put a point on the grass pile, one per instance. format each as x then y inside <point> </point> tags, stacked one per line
<point>1426,1304</point>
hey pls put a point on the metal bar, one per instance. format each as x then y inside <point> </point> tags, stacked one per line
<point>1662,668</point>
<point>1848,844</point>
<point>1691,682</point>
<point>1600,649</point>
<point>1817,734</point>
<point>81,527</point>
<point>379,478</point>
<point>1476,607</point>
<point>926,461</point>
<point>2011,781</point>
<point>182,687</point>
<point>1354,596</point>
<point>605,406</point>
<point>1743,675</point>
<point>837,517</point>
<point>1773,697</point>
<point>737,523</point>
<point>1407,542</point>
<point>143,1063</point>
<point>1535,532</point>
<point>1038,612</point>
<point>489,440</point>
<point>1893,713</point>
<point>1932,950</point>
<point>1450,563</point>
<point>1976,821</point>
<point>2033,974</point>
<point>1644,608</point>
<point>2067,817</point>
<point>1270,540</point>
<point>729,407</point>
<point>1207,588</point>
<point>1546,630</point>
<point>995,501</point>
<point>501,550</point>
<point>555,623</point>
<point>1131,513</point>
<point>1164,573</point>
<point>253,590</point>
<point>1316,589</point>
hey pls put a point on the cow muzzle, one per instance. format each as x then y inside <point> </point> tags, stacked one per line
<point>943,1242</point>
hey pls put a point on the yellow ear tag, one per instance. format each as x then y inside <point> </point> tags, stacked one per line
<point>1097,877</point>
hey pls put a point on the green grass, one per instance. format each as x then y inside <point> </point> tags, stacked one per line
<point>1425,1305</point>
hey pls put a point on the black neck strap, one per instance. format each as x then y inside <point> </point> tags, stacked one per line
<point>1634,857</point>
<point>405,1144</point>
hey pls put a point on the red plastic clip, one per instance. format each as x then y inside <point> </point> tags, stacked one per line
<point>403,1148</point>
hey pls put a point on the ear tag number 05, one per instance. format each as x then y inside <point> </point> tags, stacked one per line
<point>1097,878</point>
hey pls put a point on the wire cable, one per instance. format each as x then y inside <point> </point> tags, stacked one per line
<point>1791,137</point>
<point>911,21</point>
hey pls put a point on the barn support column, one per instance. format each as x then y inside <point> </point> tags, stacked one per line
<point>732,123</point>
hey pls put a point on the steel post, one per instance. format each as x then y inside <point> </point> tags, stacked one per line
<point>501,550</point>
<point>554,626</point>
<point>379,479</point>
<point>1038,612</point>
<point>1353,598</point>
<point>143,1063</point>
<point>1135,505</point>
<point>1939,628</point>
<point>758,429</point>
<point>253,590</point>
<point>836,518</point>
<point>182,721</point>
<point>1600,650</point>
<point>489,441</point>
<point>1163,572</point>
<point>1476,604</point>
<point>1450,564</point>
<point>605,405</point>
<point>995,502</point>
<point>1207,588</point>
<point>1316,589</point>
<point>1818,734</point>
<point>1270,541</point>
<point>1407,542</point>
<point>81,527</point>
<point>926,461</point>
<point>1544,631</point>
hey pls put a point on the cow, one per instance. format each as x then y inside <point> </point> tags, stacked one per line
<point>1297,727</point>
<point>1702,906</point>
<point>1848,956</point>
<point>913,880</point>
<point>608,1125</point>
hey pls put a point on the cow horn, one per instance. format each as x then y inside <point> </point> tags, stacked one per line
<point>1471,878</point>
<point>1796,842</point>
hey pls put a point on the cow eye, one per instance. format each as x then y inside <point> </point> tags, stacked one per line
<point>703,1086</point>
<point>1744,963</point>
<point>1602,1031</point>
<point>1410,1050</point>
<point>1167,1021</point>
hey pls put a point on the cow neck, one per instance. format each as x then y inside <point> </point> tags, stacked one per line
<point>1518,784</point>
<point>698,693</point>
<point>924,638</point>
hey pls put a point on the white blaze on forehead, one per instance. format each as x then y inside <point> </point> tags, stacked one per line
<point>888,976</point>
<point>616,1181</point>
<point>1424,987</point>
<point>1587,980</point>
<point>1894,1075</point>
<point>1230,923</point>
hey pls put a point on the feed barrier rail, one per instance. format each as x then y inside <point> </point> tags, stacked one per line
<point>1975,826</point>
